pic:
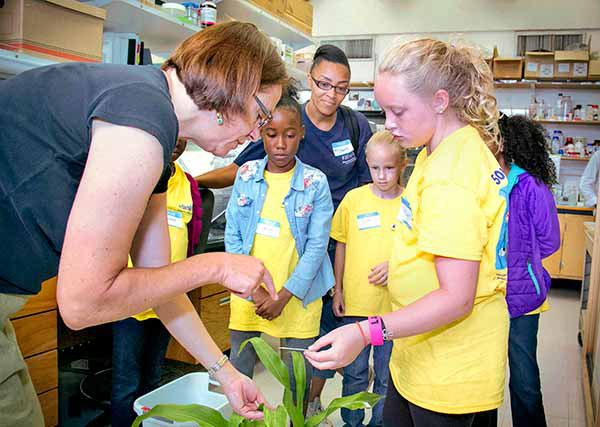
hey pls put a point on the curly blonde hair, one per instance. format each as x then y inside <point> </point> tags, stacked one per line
<point>428,65</point>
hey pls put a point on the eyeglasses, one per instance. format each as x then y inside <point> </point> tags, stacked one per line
<point>268,116</point>
<point>326,86</point>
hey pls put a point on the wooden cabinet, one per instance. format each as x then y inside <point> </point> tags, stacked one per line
<point>297,13</point>
<point>212,303</point>
<point>567,262</point>
<point>36,330</point>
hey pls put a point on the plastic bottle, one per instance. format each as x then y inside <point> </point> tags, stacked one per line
<point>533,108</point>
<point>577,112</point>
<point>568,108</point>
<point>558,111</point>
<point>555,143</point>
<point>207,14</point>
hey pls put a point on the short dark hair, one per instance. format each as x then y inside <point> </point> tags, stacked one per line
<point>330,53</point>
<point>289,99</point>
<point>524,143</point>
<point>222,66</point>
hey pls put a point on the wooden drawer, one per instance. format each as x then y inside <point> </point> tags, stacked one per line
<point>43,369</point>
<point>37,333</point>
<point>44,301</point>
<point>214,312</point>
<point>209,290</point>
<point>49,403</point>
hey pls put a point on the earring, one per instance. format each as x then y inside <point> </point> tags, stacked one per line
<point>220,120</point>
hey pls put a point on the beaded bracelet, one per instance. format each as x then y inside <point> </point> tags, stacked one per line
<point>365,341</point>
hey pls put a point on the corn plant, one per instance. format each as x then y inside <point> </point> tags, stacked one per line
<point>278,417</point>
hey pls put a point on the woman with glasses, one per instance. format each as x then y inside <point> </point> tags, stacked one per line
<point>327,146</point>
<point>85,150</point>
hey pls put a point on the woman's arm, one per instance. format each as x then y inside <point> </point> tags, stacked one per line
<point>94,285</point>
<point>451,301</point>
<point>218,178</point>
<point>151,248</point>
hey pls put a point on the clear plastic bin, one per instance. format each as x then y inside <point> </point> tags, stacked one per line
<point>188,389</point>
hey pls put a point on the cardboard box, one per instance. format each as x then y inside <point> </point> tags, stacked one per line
<point>594,70</point>
<point>60,30</point>
<point>539,65</point>
<point>508,68</point>
<point>571,64</point>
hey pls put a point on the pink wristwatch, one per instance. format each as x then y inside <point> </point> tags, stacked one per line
<point>376,330</point>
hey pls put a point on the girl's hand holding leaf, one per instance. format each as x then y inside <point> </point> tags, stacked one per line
<point>346,344</point>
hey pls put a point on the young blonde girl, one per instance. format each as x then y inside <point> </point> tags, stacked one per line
<point>447,274</point>
<point>364,226</point>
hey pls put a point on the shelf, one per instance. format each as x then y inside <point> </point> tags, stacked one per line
<point>243,10</point>
<point>160,31</point>
<point>570,122</point>
<point>549,85</point>
<point>12,63</point>
<point>581,159</point>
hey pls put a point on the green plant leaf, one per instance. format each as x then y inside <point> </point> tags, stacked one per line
<point>300,376</point>
<point>361,400</point>
<point>276,418</point>
<point>202,415</point>
<point>288,402</point>
<point>235,420</point>
<point>270,359</point>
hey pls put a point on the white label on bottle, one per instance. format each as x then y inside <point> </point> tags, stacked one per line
<point>564,68</point>
<point>547,70</point>
<point>580,69</point>
<point>532,67</point>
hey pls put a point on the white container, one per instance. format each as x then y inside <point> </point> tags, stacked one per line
<point>186,390</point>
<point>174,9</point>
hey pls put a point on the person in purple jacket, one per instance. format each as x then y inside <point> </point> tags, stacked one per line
<point>532,234</point>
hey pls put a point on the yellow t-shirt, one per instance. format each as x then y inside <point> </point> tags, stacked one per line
<point>544,307</point>
<point>451,207</point>
<point>274,244</point>
<point>179,213</point>
<point>366,224</point>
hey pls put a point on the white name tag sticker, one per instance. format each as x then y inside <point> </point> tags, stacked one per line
<point>175,219</point>
<point>368,220</point>
<point>342,147</point>
<point>267,227</point>
<point>405,215</point>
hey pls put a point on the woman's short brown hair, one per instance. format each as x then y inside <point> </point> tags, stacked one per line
<point>223,66</point>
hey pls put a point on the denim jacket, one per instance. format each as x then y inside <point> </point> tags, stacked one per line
<point>309,210</point>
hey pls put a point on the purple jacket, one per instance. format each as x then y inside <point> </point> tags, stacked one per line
<point>533,234</point>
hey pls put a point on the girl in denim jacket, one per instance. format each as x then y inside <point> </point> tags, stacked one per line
<point>280,211</point>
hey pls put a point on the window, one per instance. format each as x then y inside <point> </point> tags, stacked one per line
<point>548,42</point>
<point>354,48</point>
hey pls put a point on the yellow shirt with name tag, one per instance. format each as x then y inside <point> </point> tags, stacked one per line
<point>179,214</point>
<point>452,207</point>
<point>366,224</point>
<point>274,244</point>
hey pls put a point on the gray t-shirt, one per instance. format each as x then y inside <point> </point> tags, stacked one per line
<point>45,133</point>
